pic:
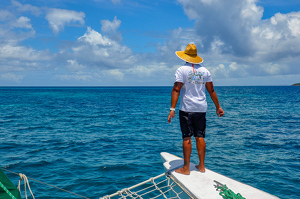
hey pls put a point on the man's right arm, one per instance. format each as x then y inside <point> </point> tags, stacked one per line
<point>174,98</point>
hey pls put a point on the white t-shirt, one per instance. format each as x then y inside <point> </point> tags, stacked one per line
<point>193,98</point>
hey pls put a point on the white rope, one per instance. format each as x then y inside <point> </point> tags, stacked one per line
<point>23,177</point>
<point>46,184</point>
<point>173,184</point>
<point>156,189</point>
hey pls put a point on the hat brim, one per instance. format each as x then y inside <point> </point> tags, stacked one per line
<point>194,59</point>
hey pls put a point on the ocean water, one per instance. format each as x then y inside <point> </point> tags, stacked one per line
<point>96,141</point>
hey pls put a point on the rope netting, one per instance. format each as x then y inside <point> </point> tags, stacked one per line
<point>161,186</point>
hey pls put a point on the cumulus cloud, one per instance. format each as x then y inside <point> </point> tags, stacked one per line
<point>19,59</point>
<point>229,21</point>
<point>230,35</point>
<point>94,38</point>
<point>111,61</point>
<point>26,8</point>
<point>80,77</point>
<point>22,22</point>
<point>102,52</point>
<point>110,28</point>
<point>11,77</point>
<point>114,73</point>
<point>9,22</point>
<point>233,32</point>
<point>152,71</point>
<point>73,65</point>
<point>16,58</point>
<point>8,52</point>
<point>230,70</point>
<point>294,26</point>
<point>59,18</point>
<point>5,15</point>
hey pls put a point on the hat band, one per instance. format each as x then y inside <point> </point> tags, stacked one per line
<point>190,54</point>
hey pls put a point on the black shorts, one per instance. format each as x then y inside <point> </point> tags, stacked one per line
<point>192,124</point>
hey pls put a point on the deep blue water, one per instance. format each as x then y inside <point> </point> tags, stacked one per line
<point>96,141</point>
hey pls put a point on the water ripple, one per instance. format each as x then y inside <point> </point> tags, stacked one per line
<point>95,141</point>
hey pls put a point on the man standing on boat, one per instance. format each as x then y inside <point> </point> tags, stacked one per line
<point>191,80</point>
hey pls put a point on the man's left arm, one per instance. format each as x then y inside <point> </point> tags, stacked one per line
<point>214,97</point>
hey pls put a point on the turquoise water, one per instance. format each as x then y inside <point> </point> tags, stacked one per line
<point>96,141</point>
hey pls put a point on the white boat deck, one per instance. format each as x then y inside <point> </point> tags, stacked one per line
<point>202,185</point>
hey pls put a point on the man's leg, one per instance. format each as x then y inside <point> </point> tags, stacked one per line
<point>201,153</point>
<point>187,150</point>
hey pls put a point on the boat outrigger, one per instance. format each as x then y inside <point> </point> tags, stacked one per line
<point>208,185</point>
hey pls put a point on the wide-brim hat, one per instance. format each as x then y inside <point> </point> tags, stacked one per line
<point>190,54</point>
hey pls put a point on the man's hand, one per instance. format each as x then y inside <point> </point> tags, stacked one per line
<point>220,112</point>
<point>171,115</point>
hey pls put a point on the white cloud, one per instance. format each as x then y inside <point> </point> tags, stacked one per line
<point>12,77</point>
<point>99,51</point>
<point>59,18</point>
<point>151,70</point>
<point>235,42</point>
<point>278,38</point>
<point>108,26</point>
<point>21,53</point>
<point>78,77</point>
<point>73,65</point>
<point>229,70</point>
<point>114,74</point>
<point>111,27</point>
<point>273,69</point>
<point>22,22</point>
<point>94,38</point>
<point>230,35</point>
<point>294,26</point>
<point>9,21</point>
<point>20,59</point>
<point>12,66</point>
<point>16,59</point>
<point>26,8</point>
<point>5,15</point>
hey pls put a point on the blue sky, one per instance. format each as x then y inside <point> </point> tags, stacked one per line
<point>133,43</point>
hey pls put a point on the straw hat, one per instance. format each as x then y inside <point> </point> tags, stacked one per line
<point>190,54</point>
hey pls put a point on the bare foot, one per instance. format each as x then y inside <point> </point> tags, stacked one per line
<point>182,171</point>
<point>200,168</point>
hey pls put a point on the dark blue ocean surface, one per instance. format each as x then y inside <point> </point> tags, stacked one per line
<point>96,141</point>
